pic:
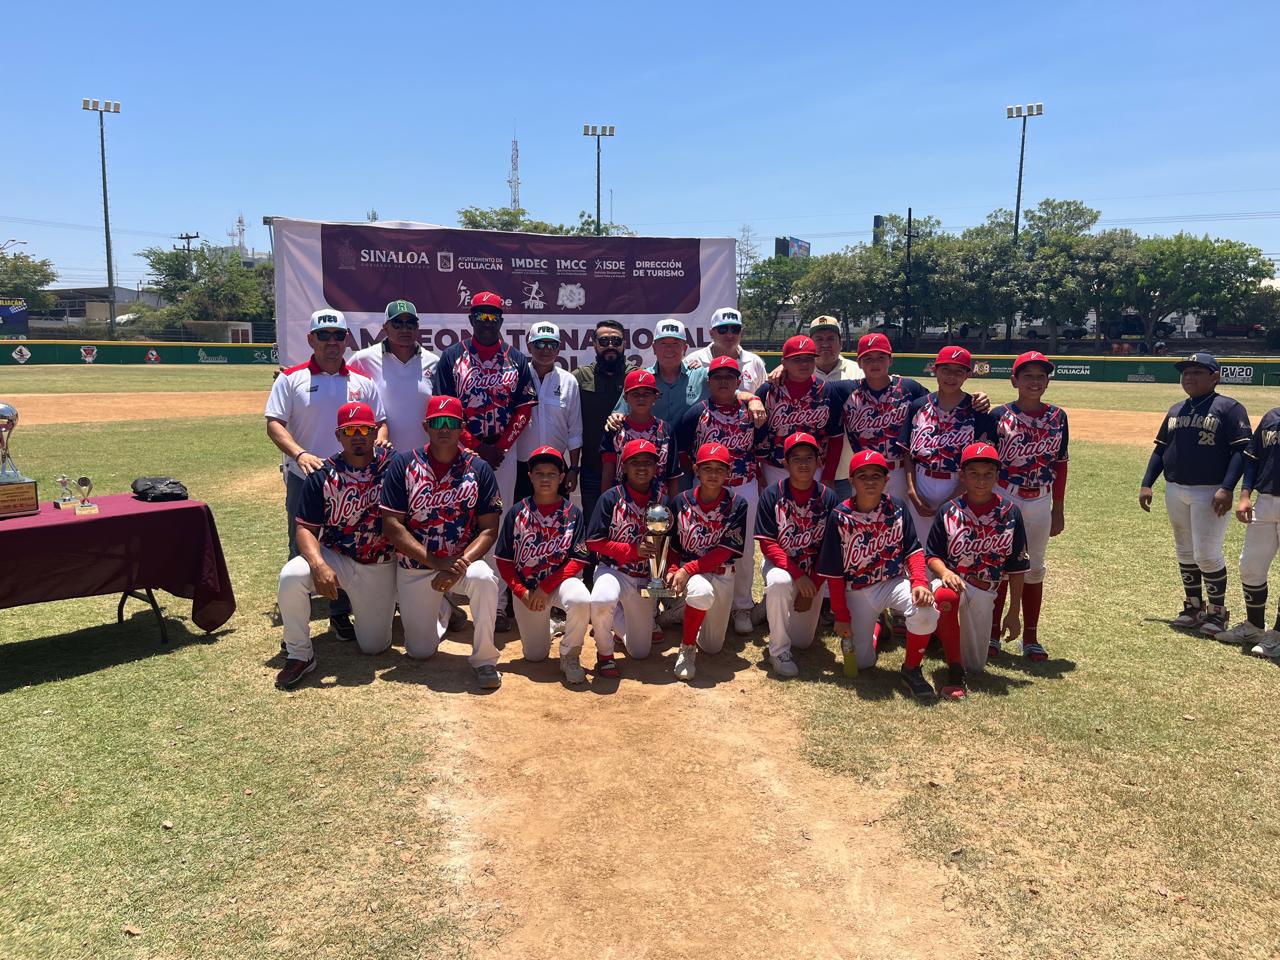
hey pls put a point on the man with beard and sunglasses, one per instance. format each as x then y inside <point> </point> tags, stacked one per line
<point>401,368</point>
<point>495,385</point>
<point>600,387</point>
<point>300,414</point>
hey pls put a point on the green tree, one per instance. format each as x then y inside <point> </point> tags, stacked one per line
<point>517,220</point>
<point>172,271</point>
<point>26,277</point>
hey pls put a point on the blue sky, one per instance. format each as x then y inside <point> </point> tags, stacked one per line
<point>800,119</point>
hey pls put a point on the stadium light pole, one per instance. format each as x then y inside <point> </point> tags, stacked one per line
<point>1021,112</point>
<point>598,131</point>
<point>102,107</point>
<point>11,242</point>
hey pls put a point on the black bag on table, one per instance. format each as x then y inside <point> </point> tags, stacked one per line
<point>155,489</point>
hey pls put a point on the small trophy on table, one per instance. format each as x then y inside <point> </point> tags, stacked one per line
<point>66,500</point>
<point>657,520</point>
<point>17,492</point>
<point>85,487</point>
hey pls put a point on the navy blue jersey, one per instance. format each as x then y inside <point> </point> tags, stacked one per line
<point>492,391</point>
<point>935,438</point>
<point>618,517</point>
<point>539,544</point>
<point>340,506</point>
<point>733,427</point>
<point>1261,469</point>
<point>817,411</point>
<point>442,513</point>
<point>868,548</point>
<point>700,528</point>
<point>797,528</point>
<point>658,432</point>
<point>979,546</point>
<point>1198,436</point>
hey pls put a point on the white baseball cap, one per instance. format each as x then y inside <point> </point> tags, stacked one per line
<point>544,330</point>
<point>670,328</point>
<point>725,317</point>
<point>327,319</point>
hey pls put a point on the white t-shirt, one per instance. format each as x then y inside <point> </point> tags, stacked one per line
<point>753,369</point>
<point>306,400</point>
<point>403,387</point>
<point>557,419</point>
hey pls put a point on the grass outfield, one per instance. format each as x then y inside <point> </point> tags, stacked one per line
<point>1117,801</point>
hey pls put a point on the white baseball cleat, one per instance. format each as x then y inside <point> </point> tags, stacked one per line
<point>742,624</point>
<point>1268,646</point>
<point>1242,633</point>
<point>687,661</point>
<point>571,667</point>
<point>784,665</point>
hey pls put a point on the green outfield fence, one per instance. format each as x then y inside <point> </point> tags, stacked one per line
<point>106,352</point>
<point>1248,371</point>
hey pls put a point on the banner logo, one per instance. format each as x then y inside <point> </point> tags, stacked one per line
<point>572,296</point>
<point>444,261</point>
<point>533,296</point>
<point>464,294</point>
<point>88,354</point>
<point>347,256</point>
<point>22,354</point>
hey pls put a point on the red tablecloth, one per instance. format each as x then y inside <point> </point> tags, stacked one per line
<point>128,545</point>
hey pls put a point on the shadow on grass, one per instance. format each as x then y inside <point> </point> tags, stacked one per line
<point>65,655</point>
<point>1054,668</point>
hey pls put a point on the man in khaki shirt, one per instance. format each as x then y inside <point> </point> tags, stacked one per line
<point>833,365</point>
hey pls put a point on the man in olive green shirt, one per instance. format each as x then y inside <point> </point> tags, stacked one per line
<point>600,386</point>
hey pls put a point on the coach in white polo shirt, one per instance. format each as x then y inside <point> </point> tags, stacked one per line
<point>303,407</point>
<point>726,341</point>
<point>557,419</point>
<point>401,368</point>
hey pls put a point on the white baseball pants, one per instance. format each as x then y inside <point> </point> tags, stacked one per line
<point>712,592</point>
<point>371,587</point>
<point>574,599</point>
<point>505,474</point>
<point>976,607</point>
<point>1037,517</point>
<point>1261,540</point>
<point>936,491</point>
<point>745,567</point>
<point>611,589</point>
<point>1198,532</point>
<point>865,606</point>
<point>789,627</point>
<point>420,611</point>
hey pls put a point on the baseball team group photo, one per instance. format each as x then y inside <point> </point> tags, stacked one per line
<point>818,513</point>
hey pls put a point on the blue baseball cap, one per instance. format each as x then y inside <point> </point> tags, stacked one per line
<point>1202,359</point>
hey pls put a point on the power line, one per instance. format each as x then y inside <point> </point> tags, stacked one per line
<point>63,225</point>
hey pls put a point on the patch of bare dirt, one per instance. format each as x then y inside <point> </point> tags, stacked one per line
<point>661,820</point>
<point>48,408</point>
<point>1113,426</point>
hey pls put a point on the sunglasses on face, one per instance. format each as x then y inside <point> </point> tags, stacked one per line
<point>487,317</point>
<point>546,344</point>
<point>358,431</point>
<point>729,329</point>
<point>609,341</point>
<point>328,336</point>
<point>444,423</point>
<point>401,324</point>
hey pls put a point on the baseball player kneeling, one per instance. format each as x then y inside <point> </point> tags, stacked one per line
<point>873,561</point>
<point>790,521</point>
<point>618,535</point>
<point>976,538</point>
<point>707,536</point>
<point>340,545</point>
<point>542,549</point>
<point>440,510</point>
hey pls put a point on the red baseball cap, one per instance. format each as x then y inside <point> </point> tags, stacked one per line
<point>636,447</point>
<point>547,453</point>
<point>487,299</point>
<point>874,343</point>
<point>724,363</point>
<point>714,453</point>
<point>979,451</point>
<point>441,406</point>
<point>799,346</point>
<point>639,379</point>
<point>957,355</point>
<point>1033,356</point>
<point>795,438</point>
<point>356,414</point>
<point>867,458</point>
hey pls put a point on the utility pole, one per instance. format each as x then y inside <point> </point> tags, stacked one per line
<point>513,180</point>
<point>187,238</point>
<point>906,311</point>
<point>106,106</point>
<point>1015,113</point>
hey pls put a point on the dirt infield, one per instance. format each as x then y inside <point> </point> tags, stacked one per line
<point>1105,426</point>
<point>50,408</point>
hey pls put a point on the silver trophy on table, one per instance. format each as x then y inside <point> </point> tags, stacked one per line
<point>18,497</point>
<point>66,500</point>
<point>657,521</point>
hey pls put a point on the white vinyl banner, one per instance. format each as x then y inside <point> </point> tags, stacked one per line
<point>572,281</point>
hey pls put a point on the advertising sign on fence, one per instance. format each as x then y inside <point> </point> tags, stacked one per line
<point>13,318</point>
<point>572,281</point>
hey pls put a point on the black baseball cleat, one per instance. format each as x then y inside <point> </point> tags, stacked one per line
<point>342,627</point>
<point>919,687</point>
<point>294,670</point>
